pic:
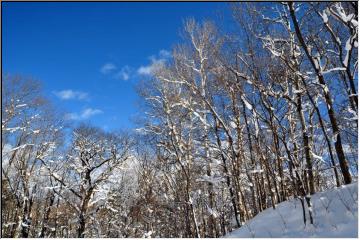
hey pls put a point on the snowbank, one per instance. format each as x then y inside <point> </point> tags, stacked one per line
<point>335,215</point>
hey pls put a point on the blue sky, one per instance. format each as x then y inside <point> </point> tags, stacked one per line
<point>89,56</point>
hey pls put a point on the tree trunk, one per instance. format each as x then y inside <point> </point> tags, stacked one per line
<point>228,181</point>
<point>44,224</point>
<point>338,145</point>
<point>81,226</point>
<point>309,169</point>
<point>252,187</point>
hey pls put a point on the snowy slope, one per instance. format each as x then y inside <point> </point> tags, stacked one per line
<point>335,215</point>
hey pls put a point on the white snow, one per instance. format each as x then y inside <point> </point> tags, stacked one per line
<point>354,113</point>
<point>335,215</point>
<point>111,209</point>
<point>317,65</point>
<point>297,91</point>
<point>340,12</point>
<point>317,157</point>
<point>233,124</point>
<point>203,120</point>
<point>148,234</point>
<point>24,224</point>
<point>256,171</point>
<point>51,188</point>
<point>249,82</point>
<point>348,45</point>
<point>334,69</point>
<point>347,48</point>
<point>36,131</point>
<point>20,147</point>
<point>247,104</point>
<point>212,212</point>
<point>325,17</point>
<point>21,105</point>
<point>13,129</point>
<point>210,179</point>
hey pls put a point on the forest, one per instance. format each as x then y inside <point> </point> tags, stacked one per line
<point>235,122</point>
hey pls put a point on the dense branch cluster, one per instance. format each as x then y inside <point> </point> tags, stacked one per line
<point>235,123</point>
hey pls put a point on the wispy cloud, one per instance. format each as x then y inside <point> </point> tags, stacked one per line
<point>124,73</point>
<point>144,70</point>
<point>164,53</point>
<point>152,67</point>
<point>127,72</point>
<point>156,62</point>
<point>85,114</point>
<point>108,68</point>
<point>71,94</point>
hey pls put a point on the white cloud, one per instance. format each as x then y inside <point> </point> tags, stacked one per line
<point>85,114</point>
<point>71,94</point>
<point>156,63</point>
<point>90,112</point>
<point>71,116</point>
<point>107,68</point>
<point>152,67</point>
<point>164,53</point>
<point>145,70</point>
<point>124,73</point>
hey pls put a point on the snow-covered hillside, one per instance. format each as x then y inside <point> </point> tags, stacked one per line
<point>335,215</point>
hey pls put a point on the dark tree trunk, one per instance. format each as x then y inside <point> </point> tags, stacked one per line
<point>338,145</point>
<point>228,181</point>
<point>45,220</point>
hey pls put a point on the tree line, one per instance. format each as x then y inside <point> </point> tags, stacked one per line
<point>234,122</point>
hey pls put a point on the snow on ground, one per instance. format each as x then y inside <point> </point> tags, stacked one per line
<point>335,215</point>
